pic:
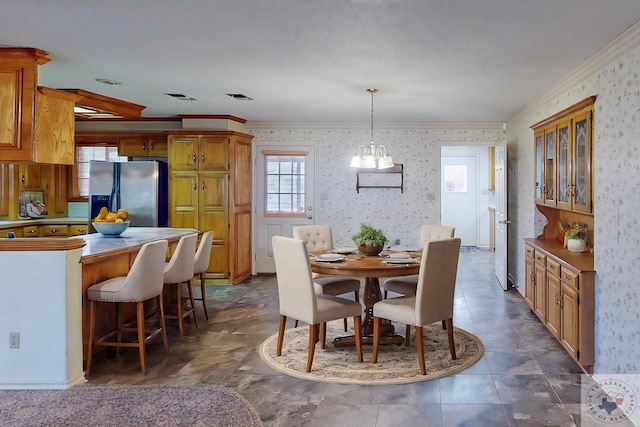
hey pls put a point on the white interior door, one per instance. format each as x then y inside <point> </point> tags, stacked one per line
<point>459,196</point>
<point>285,180</point>
<point>502,220</point>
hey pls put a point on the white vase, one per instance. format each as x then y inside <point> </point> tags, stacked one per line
<point>576,245</point>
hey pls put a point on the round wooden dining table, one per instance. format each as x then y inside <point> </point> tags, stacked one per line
<point>371,269</point>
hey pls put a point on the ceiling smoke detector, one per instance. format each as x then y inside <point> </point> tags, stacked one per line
<point>239,96</point>
<point>181,96</point>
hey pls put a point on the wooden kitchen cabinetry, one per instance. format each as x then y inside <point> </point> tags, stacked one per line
<point>142,145</point>
<point>41,121</point>
<point>210,190</point>
<point>563,159</point>
<point>561,293</point>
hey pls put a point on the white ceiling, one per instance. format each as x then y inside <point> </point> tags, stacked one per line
<point>312,60</point>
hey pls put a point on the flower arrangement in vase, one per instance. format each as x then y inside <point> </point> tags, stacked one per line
<point>576,236</point>
<point>369,240</point>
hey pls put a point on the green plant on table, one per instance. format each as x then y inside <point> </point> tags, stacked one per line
<point>369,236</point>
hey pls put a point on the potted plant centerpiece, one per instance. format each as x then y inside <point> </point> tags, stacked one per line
<point>577,236</point>
<point>369,240</point>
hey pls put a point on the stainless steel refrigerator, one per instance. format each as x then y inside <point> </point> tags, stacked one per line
<point>140,187</point>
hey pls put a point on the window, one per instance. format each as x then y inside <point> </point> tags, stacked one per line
<point>84,155</point>
<point>455,178</point>
<point>285,184</point>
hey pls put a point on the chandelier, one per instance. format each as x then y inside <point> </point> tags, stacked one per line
<point>372,156</point>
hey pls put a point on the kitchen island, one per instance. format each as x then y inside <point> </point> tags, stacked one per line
<point>44,285</point>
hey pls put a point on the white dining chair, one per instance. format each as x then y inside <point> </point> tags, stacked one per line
<point>319,237</point>
<point>298,298</point>
<point>406,285</point>
<point>433,301</point>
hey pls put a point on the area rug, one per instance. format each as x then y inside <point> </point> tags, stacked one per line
<point>127,405</point>
<point>396,364</point>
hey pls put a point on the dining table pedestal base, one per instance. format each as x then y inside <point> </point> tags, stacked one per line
<point>372,295</point>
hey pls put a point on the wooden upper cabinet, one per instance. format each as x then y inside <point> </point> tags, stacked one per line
<point>199,153</point>
<point>563,159</point>
<point>143,145</point>
<point>37,123</point>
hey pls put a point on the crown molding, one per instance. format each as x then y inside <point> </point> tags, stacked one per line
<point>398,125</point>
<point>620,46</point>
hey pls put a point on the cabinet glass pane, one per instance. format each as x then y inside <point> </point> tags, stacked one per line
<point>580,173</point>
<point>549,166</point>
<point>563,165</point>
<point>539,163</point>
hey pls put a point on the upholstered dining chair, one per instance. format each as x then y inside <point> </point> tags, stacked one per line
<point>406,285</point>
<point>319,238</point>
<point>143,282</point>
<point>200,265</point>
<point>433,301</point>
<point>178,271</point>
<point>299,300</point>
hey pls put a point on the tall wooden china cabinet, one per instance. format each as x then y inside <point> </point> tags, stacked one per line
<point>210,189</point>
<point>560,284</point>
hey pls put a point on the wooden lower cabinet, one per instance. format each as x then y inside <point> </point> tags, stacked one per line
<point>563,296</point>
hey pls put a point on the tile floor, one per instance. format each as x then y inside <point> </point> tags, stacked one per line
<point>524,379</point>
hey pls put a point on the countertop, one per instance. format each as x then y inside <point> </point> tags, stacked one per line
<point>44,221</point>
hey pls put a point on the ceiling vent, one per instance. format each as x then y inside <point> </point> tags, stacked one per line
<point>239,96</point>
<point>181,96</point>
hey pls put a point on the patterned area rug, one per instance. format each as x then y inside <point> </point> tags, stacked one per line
<point>127,405</point>
<point>396,364</point>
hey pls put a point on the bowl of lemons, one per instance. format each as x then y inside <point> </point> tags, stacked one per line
<point>111,224</point>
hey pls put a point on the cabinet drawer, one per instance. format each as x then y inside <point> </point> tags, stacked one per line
<point>5,231</point>
<point>78,230</point>
<point>30,231</point>
<point>54,230</point>
<point>540,258</point>
<point>553,267</point>
<point>569,277</point>
<point>529,251</point>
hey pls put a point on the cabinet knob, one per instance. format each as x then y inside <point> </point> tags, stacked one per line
<point>195,185</point>
<point>144,147</point>
<point>151,147</point>
<point>195,159</point>
<point>203,159</point>
<point>203,187</point>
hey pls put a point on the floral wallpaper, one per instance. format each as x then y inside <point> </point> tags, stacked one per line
<point>399,214</point>
<point>616,201</point>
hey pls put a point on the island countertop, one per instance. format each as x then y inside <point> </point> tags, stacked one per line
<point>97,247</point>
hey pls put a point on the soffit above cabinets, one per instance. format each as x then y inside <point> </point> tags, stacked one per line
<point>93,105</point>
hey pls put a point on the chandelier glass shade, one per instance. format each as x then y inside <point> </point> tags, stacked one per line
<point>372,156</point>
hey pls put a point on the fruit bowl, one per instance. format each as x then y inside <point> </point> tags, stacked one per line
<point>110,229</point>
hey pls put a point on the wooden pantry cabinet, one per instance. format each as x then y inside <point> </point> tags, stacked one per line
<point>210,190</point>
<point>560,290</point>
<point>38,122</point>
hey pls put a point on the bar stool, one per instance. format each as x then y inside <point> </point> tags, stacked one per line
<point>179,271</point>
<point>143,282</point>
<point>200,266</point>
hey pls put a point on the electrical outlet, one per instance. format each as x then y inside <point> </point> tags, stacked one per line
<point>14,339</point>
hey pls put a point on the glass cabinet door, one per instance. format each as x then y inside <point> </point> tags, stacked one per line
<point>539,166</point>
<point>549,189</point>
<point>564,165</point>
<point>581,191</point>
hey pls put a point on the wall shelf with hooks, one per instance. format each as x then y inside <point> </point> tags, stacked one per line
<point>380,178</point>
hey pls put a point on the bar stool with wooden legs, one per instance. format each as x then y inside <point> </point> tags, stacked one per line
<point>200,266</point>
<point>143,282</point>
<point>179,271</point>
